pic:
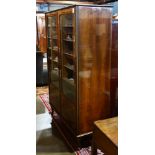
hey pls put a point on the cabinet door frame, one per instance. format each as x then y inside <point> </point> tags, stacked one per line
<point>53,14</point>
<point>66,11</point>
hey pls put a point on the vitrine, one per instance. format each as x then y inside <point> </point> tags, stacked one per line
<point>79,62</point>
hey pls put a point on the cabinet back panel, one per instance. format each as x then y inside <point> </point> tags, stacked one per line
<point>94,41</point>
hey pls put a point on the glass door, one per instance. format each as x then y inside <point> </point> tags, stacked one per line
<point>67,43</point>
<point>54,62</point>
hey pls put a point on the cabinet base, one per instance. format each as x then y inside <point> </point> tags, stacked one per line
<point>74,142</point>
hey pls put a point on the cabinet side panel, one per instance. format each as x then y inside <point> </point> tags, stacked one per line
<point>94,30</point>
<point>114,69</point>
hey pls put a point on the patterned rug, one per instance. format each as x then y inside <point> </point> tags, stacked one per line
<point>87,151</point>
<point>45,101</point>
<point>40,108</point>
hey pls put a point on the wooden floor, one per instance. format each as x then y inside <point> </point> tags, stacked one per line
<point>42,90</point>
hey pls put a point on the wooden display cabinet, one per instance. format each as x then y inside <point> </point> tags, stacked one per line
<point>80,92</point>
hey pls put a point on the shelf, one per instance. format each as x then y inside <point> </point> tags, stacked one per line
<point>69,55</point>
<point>68,40</point>
<point>68,26</point>
<point>54,38</point>
<point>56,69</point>
<point>55,61</point>
<point>69,67</point>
